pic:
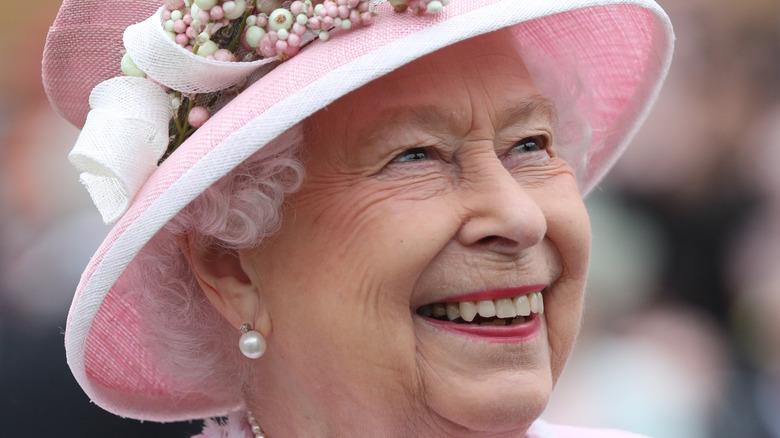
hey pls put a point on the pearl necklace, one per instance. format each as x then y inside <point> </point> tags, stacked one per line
<point>256,429</point>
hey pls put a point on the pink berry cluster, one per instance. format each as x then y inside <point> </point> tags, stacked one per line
<point>196,25</point>
<point>213,28</point>
<point>281,33</point>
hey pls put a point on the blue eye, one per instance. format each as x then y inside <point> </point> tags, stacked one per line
<point>414,154</point>
<point>530,144</point>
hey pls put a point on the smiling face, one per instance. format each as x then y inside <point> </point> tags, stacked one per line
<point>438,183</point>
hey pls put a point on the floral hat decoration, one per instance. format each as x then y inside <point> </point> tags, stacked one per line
<point>183,63</point>
<point>172,95</point>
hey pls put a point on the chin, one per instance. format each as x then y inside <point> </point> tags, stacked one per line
<point>502,402</point>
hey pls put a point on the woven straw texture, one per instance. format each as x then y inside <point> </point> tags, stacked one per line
<point>622,49</point>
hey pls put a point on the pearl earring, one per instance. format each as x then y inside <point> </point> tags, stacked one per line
<point>251,343</point>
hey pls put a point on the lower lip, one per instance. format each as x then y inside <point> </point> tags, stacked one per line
<point>514,333</point>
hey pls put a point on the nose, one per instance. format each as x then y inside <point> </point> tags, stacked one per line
<point>501,216</point>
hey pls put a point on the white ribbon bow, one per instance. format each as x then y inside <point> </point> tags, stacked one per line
<point>126,131</point>
<point>124,137</point>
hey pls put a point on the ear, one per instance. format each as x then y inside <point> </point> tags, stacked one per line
<point>222,277</point>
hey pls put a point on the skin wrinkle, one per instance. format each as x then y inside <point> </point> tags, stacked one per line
<point>535,178</point>
<point>504,273</point>
<point>425,186</point>
<point>439,124</point>
<point>453,429</point>
<point>392,121</point>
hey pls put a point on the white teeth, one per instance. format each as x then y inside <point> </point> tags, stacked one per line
<point>533,300</point>
<point>505,308</point>
<point>502,308</point>
<point>486,309</point>
<point>522,306</point>
<point>541,303</point>
<point>452,311</point>
<point>468,310</point>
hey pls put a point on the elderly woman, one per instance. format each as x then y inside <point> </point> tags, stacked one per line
<point>344,218</point>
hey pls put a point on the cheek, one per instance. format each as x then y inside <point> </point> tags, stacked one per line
<point>340,276</point>
<point>387,233</point>
<point>348,260</point>
<point>568,232</point>
<point>568,225</point>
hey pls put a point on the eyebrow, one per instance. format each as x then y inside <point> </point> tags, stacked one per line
<point>526,109</point>
<point>434,118</point>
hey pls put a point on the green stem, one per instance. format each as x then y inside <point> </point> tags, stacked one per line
<point>176,116</point>
<point>184,130</point>
<point>237,38</point>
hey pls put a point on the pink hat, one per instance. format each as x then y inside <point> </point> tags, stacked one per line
<point>621,49</point>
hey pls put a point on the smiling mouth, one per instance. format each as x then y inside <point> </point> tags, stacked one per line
<point>499,312</point>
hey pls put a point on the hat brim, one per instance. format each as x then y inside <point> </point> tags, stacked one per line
<point>622,49</point>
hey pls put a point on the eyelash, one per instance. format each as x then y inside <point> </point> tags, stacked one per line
<point>527,144</point>
<point>539,143</point>
<point>415,154</point>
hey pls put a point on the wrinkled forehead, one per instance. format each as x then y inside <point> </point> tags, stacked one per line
<point>450,86</point>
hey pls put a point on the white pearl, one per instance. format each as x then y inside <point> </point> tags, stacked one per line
<point>435,7</point>
<point>280,19</point>
<point>234,9</point>
<point>129,68</point>
<point>252,344</point>
<point>253,35</point>
<point>207,48</point>
<point>206,4</point>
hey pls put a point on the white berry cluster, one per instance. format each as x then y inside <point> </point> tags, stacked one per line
<point>420,6</point>
<point>218,29</point>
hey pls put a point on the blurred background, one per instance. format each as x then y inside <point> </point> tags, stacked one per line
<point>681,337</point>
